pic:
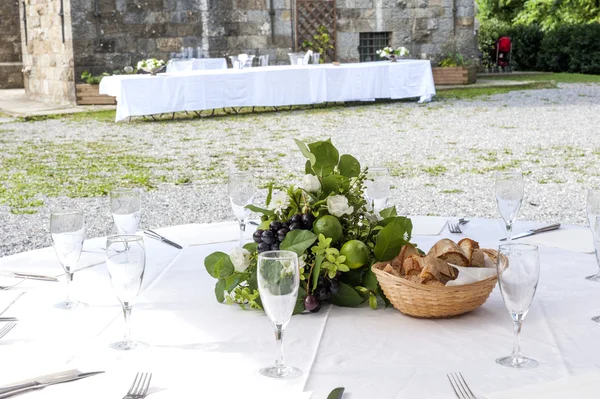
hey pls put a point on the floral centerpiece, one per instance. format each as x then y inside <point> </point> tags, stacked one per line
<point>391,54</point>
<point>329,224</point>
<point>151,65</point>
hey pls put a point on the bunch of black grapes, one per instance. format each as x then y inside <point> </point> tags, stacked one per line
<point>271,239</point>
<point>325,288</point>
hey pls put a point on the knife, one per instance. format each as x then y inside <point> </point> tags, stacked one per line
<point>29,386</point>
<point>551,227</point>
<point>336,393</point>
<point>27,276</point>
<point>157,236</point>
<point>3,319</point>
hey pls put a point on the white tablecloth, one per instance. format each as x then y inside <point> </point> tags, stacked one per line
<point>196,64</point>
<point>200,348</point>
<point>268,86</point>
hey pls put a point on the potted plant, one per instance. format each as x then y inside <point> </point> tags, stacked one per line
<point>452,68</point>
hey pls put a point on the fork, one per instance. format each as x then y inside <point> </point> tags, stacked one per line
<point>454,228</point>
<point>139,388</point>
<point>460,386</point>
<point>6,329</point>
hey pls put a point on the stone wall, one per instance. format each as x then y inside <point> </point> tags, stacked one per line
<point>422,26</point>
<point>10,45</point>
<point>47,61</point>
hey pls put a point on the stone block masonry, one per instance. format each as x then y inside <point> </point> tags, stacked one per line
<point>10,45</point>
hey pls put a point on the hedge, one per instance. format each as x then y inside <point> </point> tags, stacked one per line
<point>569,48</point>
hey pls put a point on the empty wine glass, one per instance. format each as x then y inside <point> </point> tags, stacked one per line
<point>378,188</point>
<point>593,211</point>
<point>67,228</point>
<point>126,262</point>
<point>278,282</point>
<point>126,209</point>
<point>518,268</point>
<point>241,193</point>
<point>510,189</point>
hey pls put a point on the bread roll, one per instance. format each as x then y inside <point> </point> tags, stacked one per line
<point>391,270</point>
<point>437,269</point>
<point>412,266</point>
<point>468,246</point>
<point>449,251</point>
<point>405,252</point>
<point>478,259</point>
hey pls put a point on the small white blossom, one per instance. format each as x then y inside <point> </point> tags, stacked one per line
<point>240,258</point>
<point>311,183</point>
<point>337,205</point>
<point>279,201</point>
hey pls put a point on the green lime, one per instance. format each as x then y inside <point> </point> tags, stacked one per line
<point>357,254</point>
<point>330,227</point>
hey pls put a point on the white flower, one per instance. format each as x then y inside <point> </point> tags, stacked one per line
<point>403,51</point>
<point>311,183</point>
<point>240,258</point>
<point>337,205</point>
<point>279,201</point>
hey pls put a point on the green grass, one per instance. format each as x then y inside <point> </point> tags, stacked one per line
<point>437,170</point>
<point>546,77</point>
<point>471,93</point>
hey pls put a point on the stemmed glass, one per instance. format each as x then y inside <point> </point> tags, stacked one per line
<point>378,188</point>
<point>593,211</point>
<point>126,262</point>
<point>518,275</point>
<point>278,282</point>
<point>67,228</point>
<point>241,193</point>
<point>126,209</point>
<point>510,189</point>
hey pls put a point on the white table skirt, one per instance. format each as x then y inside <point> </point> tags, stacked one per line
<point>200,347</point>
<point>196,64</point>
<point>268,86</point>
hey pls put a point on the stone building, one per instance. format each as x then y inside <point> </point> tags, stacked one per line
<point>10,45</point>
<point>63,38</point>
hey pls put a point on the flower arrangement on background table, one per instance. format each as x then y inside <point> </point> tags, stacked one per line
<point>326,221</point>
<point>391,54</point>
<point>151,65</point>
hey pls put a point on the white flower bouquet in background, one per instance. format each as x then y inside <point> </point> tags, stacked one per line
<point>151,65</point>
<point>391,54</point>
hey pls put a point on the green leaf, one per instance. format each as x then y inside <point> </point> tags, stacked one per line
<point>389,212</point>
<point>333,183</point>
<point>251,247</point>
<point>370,280</point>
<point>346,296</point>
<point>373,302</point>
<point>305,151</point>
<point>316,271</point>
<point>220,290</point>
<point>269,194</point>
<point>299,308</point>
<point>379,292</point>
<point>352,277</point>
<point>326,157</point>
<point>218,265</point>
<point>349,166</point>
<point>391,238</point>
<point>298,241</point>
<point>233,281</point>
<point>308,168</point>
<point>258,209</point>
<point>336,393</point>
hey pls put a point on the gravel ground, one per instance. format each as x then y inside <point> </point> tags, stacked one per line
<point>442,157</point>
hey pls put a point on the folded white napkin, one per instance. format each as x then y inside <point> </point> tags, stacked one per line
<point>427,225</point>
<point>574,239</point>
<point>580,387</point>
<point>469,275</point>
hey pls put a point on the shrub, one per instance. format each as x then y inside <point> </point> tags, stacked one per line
<point>527,42</point>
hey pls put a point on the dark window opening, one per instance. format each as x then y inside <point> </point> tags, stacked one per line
<point>370,42</point>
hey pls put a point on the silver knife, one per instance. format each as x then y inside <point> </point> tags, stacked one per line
<point>531,232</point>
<point>157,236</point>
<point>27,276</point>
<point>3,319</point>
<point>29,386</point>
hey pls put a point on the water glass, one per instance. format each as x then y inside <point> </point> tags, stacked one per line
<point>241,190</point>
<point>510,189</point>
<point>126,209</point>
<point>67,228</point>
<point>278,281</point>
<point>518,268</point>
<point>315,58</point>
<point>126,262</point>
<point>378,188</point>
<point>593,211</point>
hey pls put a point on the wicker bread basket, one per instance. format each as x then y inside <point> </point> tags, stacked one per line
<point>427,301</point>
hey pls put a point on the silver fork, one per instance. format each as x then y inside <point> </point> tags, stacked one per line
<point>460,386</point>
<point>454,228</point>
<point>6,329</point>
<point>139,388</point>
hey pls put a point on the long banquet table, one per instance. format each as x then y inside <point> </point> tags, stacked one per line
<point>200,348</point>
<point>139,95</point>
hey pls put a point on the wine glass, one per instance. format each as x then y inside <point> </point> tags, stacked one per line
<point>126,209</point>
<point>593,211</point>
<point>126,261</point>
<point>67,228</point>
<point>378,188</point>
<point>241,193</point>
<point>278,282</point>
<point>518,268</point>
<point>510,189</point>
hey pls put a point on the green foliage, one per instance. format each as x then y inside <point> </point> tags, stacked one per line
<point>553,14</point>
<point>571,48</point>
<point>92,80</point>
<point>321,43</point>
